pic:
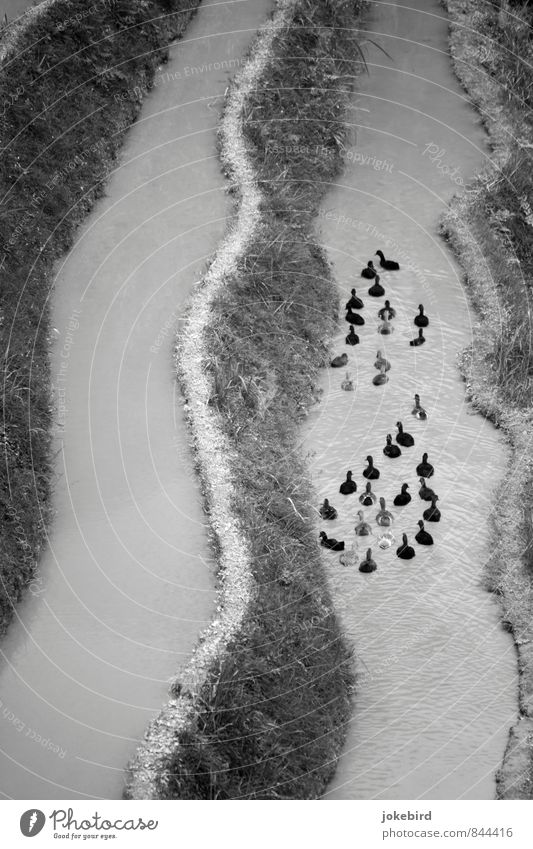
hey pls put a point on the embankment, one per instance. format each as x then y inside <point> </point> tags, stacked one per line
<point>72,77</point>
<point>490,228</point>
<point>260,712</point>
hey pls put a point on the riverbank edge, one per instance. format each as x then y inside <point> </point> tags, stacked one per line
<point>185,753</point>
<point>43,203</point>
<point>507,573</point>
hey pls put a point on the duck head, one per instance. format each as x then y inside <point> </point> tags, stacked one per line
<point>369,554</point>
<point>382,503</point>
<point>370,263</point>
<point>389,439</point>
<point>360,515</point>
<point>370,460</point>
<point>404,539</point>
<point>348,476</point>
<point>405,487</point>
<point>326,502</point>
<point>380,254</point>
<point>424,458</point>
<point>421,524</point>
<point>399,425</point>
<point>322,535</point>
<point>421,309</point>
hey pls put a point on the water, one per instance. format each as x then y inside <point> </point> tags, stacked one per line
<point>126,584</point>
<point>438,678</point>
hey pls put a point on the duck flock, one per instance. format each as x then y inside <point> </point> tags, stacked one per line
<point>403,440</point>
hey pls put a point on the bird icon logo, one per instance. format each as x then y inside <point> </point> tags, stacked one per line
<point>32,822</point>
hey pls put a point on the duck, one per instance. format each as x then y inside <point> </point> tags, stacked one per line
<point>403,438</point>
<point>385,309</point>
<point>332,544</point>
<point>389,264</point>
<point>347,383</point>
<point>327,511</point>
<point>371,473</point>
<point>384,517</point>
<point>418,411</point>
<point>385,328</point>
<point>386,539</point>
<point>425,493</point>
<point>421,320</point>
<point>418,340</point>
<point>381,361</point>
<point>380,378</point>
<point>354,303</point>
<point>424,469</point>
<point>391,450</point>
<point>367,497</point>
<point>376,289</point>
<point>349,558</point>
<point>362,529</point>
<point>352,338</point>
<point>368,564</point>
<point>348,486</point>
<point>405,551</point>
<point>369,271</point>
<point>403,497</point>
<point>432,514</point>
<point>354,318</point>
<point>423,537</point>
<point>338,362</point>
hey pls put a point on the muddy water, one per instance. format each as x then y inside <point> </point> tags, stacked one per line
<point>437,690</point>
<point>126,584</point>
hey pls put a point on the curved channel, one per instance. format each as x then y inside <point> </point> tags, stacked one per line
<point>437,686</point>
<point>126,585</point>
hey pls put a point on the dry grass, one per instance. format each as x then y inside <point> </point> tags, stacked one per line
<point>274,709</point>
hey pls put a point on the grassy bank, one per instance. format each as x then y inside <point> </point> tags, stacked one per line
<point>491,230</point>
<point>69,89</point>
<point>272,712</point>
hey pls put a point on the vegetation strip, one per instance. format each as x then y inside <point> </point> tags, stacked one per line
<point>490,229</point>
<point>72,78</point>
<point>268,721</point>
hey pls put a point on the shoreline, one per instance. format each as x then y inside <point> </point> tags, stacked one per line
<point>508,574</point>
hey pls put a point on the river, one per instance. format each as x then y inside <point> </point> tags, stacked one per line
<point>437,686</point>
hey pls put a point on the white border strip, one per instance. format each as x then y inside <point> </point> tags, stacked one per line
<point>213,452</point>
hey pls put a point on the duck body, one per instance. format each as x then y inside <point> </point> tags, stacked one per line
<point>405,551</point>
<point>370,473</point>
<point>347,383</point>
<point>432,514</point>
<point>380,378</point>
<point>348,486</point>
<point>388,264</point>
<point>386,540</point>
<point>418,411</point>
<point>368,564</point>
<point>382,313</point>
<point>419,340</point>
<point>362,529</point>
<point>327,511</point>
<point>338,362</point>
<point>391,450</point>
<point>354,303</point>
<point>349,558</point>
<point>385,328</point>
<point>352,338</point>
<point>369,272</point>
<point>376,290</point>
<point>424,469</point>
<point>381,362</point>
<point>403,497</point>
<point>421,320</point>
<point>331,544</point>
<point>354,318</point>
<point>367,497</point>
<point>423,537</point>
<point>425,493</point>
<point>384,517</point>
<point>402,438</point>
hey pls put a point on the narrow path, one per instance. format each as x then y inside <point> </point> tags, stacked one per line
<point>437,690</point>
<point>126,585</point>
